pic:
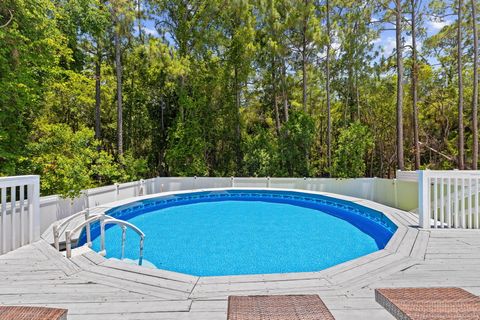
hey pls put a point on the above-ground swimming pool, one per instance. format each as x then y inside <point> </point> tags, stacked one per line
<point>237,232</point>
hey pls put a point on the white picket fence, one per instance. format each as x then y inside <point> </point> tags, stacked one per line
<point>449,199</point>
<point>20,211</point>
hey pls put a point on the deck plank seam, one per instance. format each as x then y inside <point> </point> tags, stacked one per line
<point>145,274</point>
<point>85,275</point>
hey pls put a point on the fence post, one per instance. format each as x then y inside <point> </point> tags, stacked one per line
<point>373,186</point>
<point>33,190</point>
<point>423,199</point>
<point>117,190</point>
<point>395,192</point>
<point>3,235</point>
<point>156,185</point>
<point>36,207</point>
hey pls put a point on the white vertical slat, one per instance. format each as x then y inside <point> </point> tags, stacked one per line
<point>30,212</point>
<point>449,203</point>
<point>13,215</point>
<point>435,202</point>
<point>12,209</point>
<point>4,219</point>
<point>463,203</point>
<point>456,204</point>
<point>470,191</point>
<point>477,208</point>
<point>442,203</point>
<point>22,213</point>
<point>36,209</point>
<point>424,198</point>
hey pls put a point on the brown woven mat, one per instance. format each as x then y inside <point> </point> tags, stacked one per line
<point>294,307</point>
<point>429,303</point>
<point>31,313</point>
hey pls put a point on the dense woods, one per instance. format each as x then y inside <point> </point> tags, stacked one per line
<point>94,92</point>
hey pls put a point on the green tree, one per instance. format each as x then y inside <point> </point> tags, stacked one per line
<point>32,47</point>
<point>353,145</point>
<point>68,161</point>
<point>297,138</point>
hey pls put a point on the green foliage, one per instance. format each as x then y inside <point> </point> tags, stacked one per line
<point>71,161</point>
<point>217,89</point>
<point>296,139</point>
<point>186,152</point>
<point>69,99</point>
<point>260,153</point>
<point>133,168</point>
<point>353,145</point>
<point>31,49</point>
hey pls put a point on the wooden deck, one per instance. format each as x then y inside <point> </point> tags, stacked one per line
<point>91,287</point>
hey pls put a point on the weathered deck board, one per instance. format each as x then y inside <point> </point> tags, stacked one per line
<point>148,290</point>
<point>420,246</point>
<point>139,278</point>
<point>168,275</point>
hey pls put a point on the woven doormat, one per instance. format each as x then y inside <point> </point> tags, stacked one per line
<point>429,303</point>
<point>286,307</point>
<point>31,313</point>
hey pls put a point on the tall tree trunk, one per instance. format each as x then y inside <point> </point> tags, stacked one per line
<point>98,88</point>
<point>274,96</point>
<point>284,90</point>
<point>304,80</point>
<point>329,120</point>
<point>355,70</point>
<point>357,94</point>
<point>351,94</point>
<point>475,87</point>
<point>416,143</point>
<point>304,59</point>
<point>238,133</point>
<point>118,68</point>
<point>139,21</point>
<point>398,34</point>
<point>461,165</point>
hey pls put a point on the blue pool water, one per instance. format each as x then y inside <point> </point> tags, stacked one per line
<point>248,233</point>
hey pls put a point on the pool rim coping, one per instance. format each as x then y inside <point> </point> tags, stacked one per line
<point>392,247</point>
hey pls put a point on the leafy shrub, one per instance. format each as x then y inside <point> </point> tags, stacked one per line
<point>71,161</point>
<point>353,144</point>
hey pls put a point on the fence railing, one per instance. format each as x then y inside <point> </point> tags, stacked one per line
<point>445,199</point>
<point>449,199</point>
<point>407,175</point>
<point>20,211</point>
<point>395,193</point>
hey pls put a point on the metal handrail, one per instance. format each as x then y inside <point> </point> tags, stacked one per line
<point>68,233</point>
<point>104,220</point>
<point>56,227</point>
<point>124,225</point>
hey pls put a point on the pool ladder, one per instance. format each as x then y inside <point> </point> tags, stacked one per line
<point>104,219</point>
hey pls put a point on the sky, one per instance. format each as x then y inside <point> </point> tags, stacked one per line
<point>387,38</point>
<point>385,43</point>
